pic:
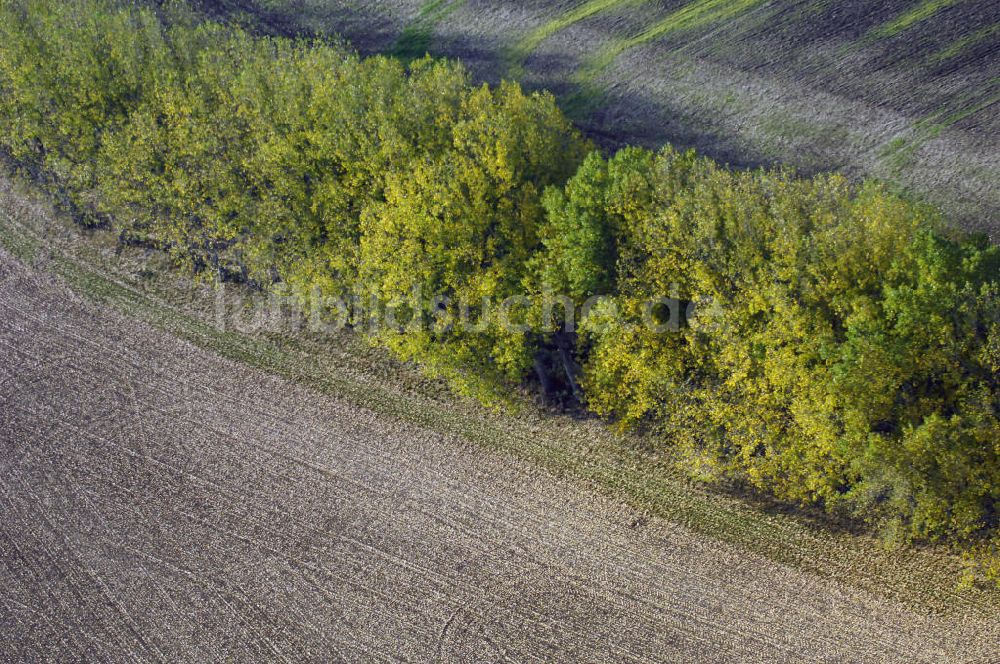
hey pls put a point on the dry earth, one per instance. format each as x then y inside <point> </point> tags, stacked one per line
<point>160,503</point>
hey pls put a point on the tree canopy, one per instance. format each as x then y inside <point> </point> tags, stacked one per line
<point>827,342</point>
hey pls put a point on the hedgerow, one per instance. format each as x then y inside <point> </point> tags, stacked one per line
<point>829,343</point>
<point>844,351</point>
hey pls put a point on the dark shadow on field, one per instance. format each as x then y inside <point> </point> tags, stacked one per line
<point>785,38</point>
<point>612,117</point>
<point>631,118</point>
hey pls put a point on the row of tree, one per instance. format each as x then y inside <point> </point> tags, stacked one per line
<point>828,343</point>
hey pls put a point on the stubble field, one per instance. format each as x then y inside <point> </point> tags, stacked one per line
<point>162,502</point>
<point>173,492</point>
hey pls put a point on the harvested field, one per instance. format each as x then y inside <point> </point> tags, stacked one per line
<point>163,504</point>
<point>173,489</point>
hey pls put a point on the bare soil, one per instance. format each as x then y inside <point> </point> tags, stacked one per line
<point>161,503</point>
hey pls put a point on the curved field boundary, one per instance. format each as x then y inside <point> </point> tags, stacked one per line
<point>791,82</point>
<point>583,452</point>
<point>160,503</point>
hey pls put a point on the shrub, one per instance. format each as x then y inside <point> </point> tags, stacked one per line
<point>826,342</point>
<point>462,225</point>
<point>830,344</point>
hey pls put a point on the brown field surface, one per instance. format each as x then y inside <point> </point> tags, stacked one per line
<point>160,502</point>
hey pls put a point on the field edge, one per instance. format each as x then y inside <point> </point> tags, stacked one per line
<point>582,451</point>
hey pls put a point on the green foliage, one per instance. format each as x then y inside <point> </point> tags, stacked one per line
<point>585,220</point>
<point>825,342</point>
<point>830,345</point>
<point>67,76</point>
<point>294,165</point>
<point>462,224</point>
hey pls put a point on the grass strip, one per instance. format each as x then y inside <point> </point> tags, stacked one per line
<point>908,19</point>
<point>692,16</point>
<point>415,40</point>
<point>582,451</point>
<point>961,45</point>
<point>521,49</point>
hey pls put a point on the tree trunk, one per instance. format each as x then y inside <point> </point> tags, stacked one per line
<point>544,379</point>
